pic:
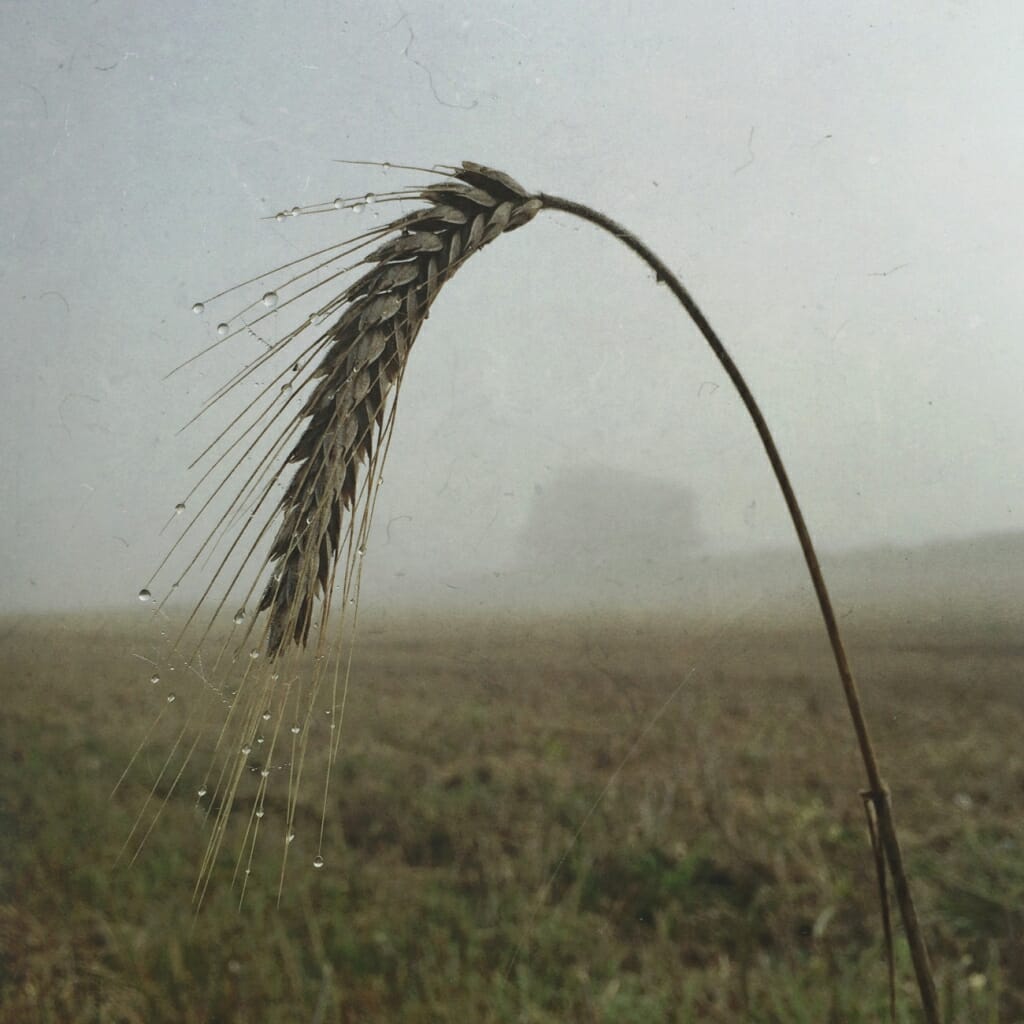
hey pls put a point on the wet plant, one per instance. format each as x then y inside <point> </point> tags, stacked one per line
<point>298,469</point>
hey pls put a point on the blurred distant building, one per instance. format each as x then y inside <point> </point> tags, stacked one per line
<point>595,527</point>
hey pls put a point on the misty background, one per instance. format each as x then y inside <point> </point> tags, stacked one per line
<point>839,187</point>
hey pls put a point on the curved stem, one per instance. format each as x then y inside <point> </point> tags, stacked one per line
<point>878,792</point>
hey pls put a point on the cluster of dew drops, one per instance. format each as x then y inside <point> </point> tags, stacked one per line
<point>145,596</point>
<point>270,299</point>
<point>339,204</point>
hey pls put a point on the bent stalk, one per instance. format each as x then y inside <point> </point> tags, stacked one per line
<point>878,791</point>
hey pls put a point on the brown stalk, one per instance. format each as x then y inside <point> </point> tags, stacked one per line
<point>878,791</point>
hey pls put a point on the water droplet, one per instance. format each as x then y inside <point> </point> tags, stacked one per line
<point>171,698</point>
<point>318,861</point>
<point>351,600</point>
<point>222,330</point>
<point>295,211</point>
<point>357,207</point>
<point>266,716</point>
<point>361,550</point>
<point>296,367</point>
<point>202,792</point>
<point>370,197</point>
<point>198,308</point>
<point>154,679</point>
<point>260,812</point>
<point>296,730</point>
<point>259,740</point>
<point>239,617</point>
<point>254,654</point>
<point>286,387</point>
<point>280,217</point>
<point>274,678</point>
<point>145,595</point>
<point>247,750</point>
<point>179,508</point>
<point>339,203</point>
<point>270,300</point>
<point>264,772</point>
<point>290,838</point>
<point>386,165</point>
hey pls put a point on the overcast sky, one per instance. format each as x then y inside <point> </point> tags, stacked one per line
<point>838,184</point>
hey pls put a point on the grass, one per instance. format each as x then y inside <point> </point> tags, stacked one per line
<point>722,876</point>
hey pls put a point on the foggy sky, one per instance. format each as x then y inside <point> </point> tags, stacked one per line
<point>838,186</point>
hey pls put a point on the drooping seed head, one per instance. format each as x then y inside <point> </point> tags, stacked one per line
<point>368,345</point>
